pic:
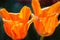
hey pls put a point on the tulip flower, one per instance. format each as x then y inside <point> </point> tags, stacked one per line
<point>45,21</point>
<point>16,25</point>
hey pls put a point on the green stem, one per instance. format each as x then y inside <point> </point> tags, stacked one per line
<point>41,38</point>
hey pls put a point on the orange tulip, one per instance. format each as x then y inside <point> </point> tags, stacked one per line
<point>45,21</point>
<point>16,25</point>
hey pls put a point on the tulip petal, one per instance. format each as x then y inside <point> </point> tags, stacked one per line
<point>25,13</point>
<point>15,17</point>
<point>54,9</point>
<point>36,7</point>
<point>4,14</point>
<point>51,24</point>
<point>7,27</point>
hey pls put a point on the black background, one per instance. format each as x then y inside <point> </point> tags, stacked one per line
<point>10,5</point>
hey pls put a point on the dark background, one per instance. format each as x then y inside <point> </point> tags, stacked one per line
<point>15,6</point>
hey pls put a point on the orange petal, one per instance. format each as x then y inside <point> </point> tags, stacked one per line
<point>25,13</point>
<point>4,14</point>
<point>47,26</point>
<point>18,31</point>
<point>36,7</point>
<point>51,24</point>
<point>7,27</point>
<point>44,12</point>
<point>14,17</point>
<point>55,8</point>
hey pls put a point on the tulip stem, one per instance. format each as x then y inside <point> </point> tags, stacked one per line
<point>41,38</point>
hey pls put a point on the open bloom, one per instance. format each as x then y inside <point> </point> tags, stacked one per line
<point>16,25</point>
<point>45,21</point>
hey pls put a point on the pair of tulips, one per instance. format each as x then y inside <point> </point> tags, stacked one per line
<point>45,20</point>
